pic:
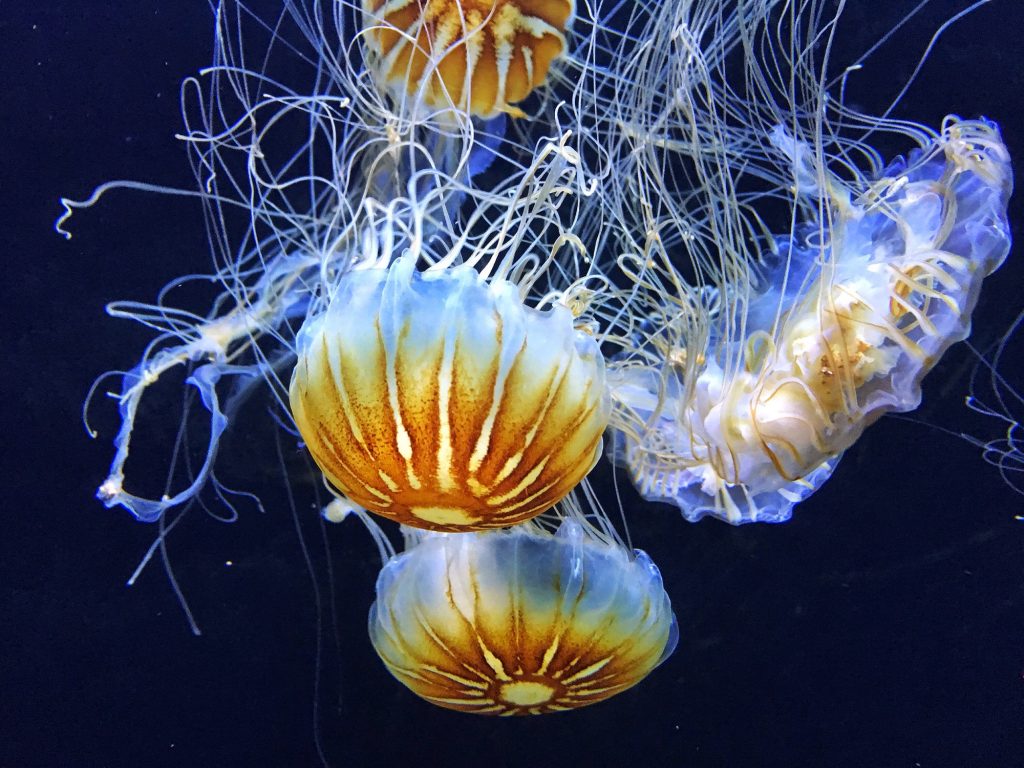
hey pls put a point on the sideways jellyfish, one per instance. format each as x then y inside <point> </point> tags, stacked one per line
<point>761,357</point>
<point>868,303</point>
<point>520,621</point>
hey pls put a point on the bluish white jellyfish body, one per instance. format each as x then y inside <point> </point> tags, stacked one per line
<point>458,241</point>
<point>876,295</point>
<point>758,357</point>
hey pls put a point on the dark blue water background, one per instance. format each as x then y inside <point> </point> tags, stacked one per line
<point>883,626</point>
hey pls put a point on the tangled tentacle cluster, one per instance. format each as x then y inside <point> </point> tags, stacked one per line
<point>688,242</point>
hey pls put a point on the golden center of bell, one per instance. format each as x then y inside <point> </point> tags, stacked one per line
<point>527,693</point>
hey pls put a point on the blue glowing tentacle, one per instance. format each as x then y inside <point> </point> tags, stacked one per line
<point>491,134</point>
<point>204,379</point>
<point>279,296</point>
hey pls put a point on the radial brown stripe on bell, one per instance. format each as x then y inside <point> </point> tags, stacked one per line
<point>480,56</point>
<point>343,443</point>
<point>520,622</point>
<point>417,388</point>
<point>442,402</point>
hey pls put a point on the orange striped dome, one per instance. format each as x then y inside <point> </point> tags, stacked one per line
<point>481,56</point>
<point>440,401</point>
<point>520,622</point>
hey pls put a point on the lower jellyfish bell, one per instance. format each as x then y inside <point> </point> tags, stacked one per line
<point>521,621</point>
<point>439,400</point>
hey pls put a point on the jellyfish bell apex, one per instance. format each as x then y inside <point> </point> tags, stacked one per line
<point>439,400</point>
<point>520,621</point>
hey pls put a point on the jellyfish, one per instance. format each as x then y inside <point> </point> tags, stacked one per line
<point>762,357</point>
<point>440,401</point>
<point>315,196</point>
<point>522,620</point>
<point>878,293</point>
<point>481,58</point>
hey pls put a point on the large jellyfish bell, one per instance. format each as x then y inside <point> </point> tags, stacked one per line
<point>439,400</point>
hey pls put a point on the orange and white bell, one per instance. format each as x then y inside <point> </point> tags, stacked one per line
<point>439,400</point>
<point>480,56</point>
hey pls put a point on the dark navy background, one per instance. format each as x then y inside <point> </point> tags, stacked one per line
<point>883,626</point>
